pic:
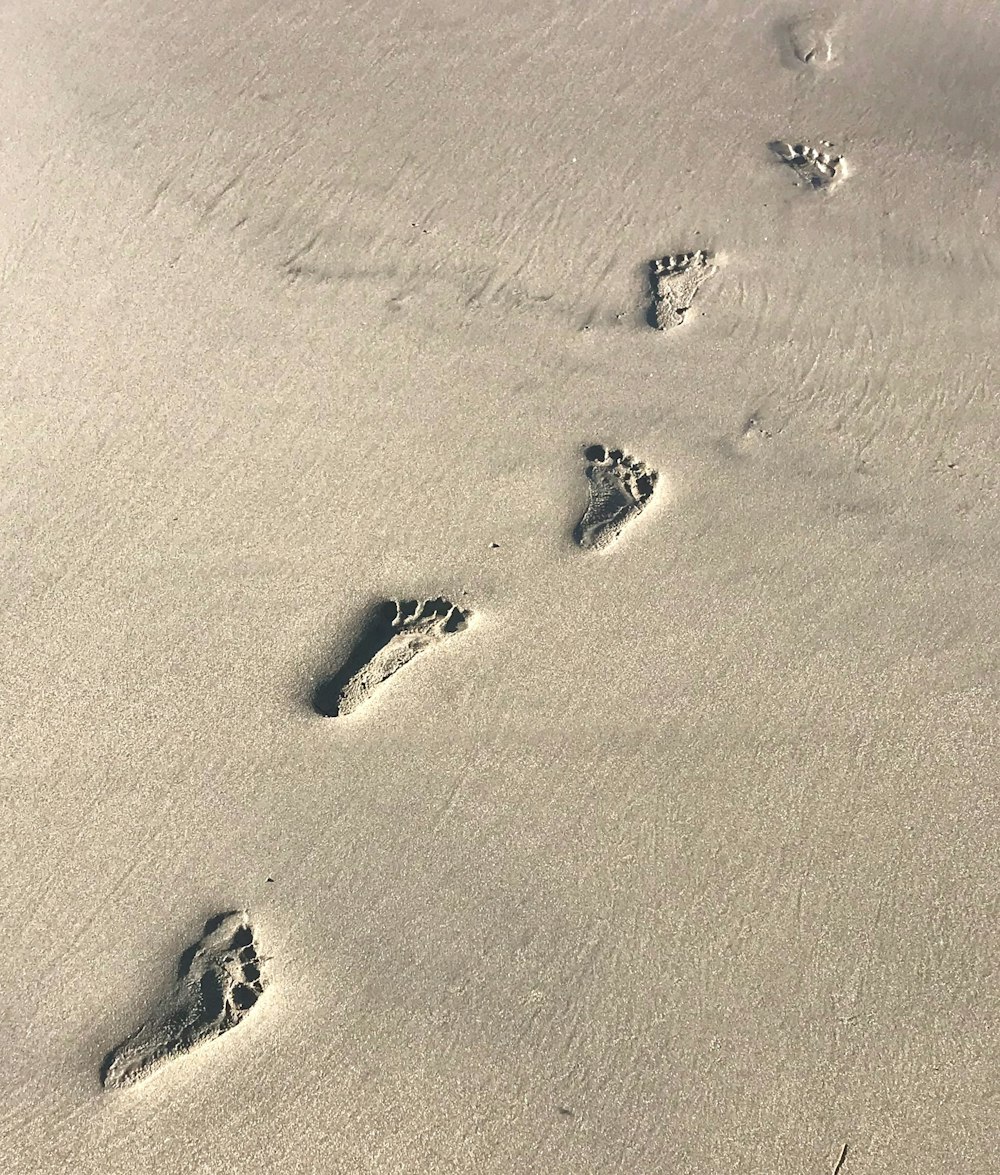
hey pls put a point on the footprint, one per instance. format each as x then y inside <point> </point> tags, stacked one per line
<point>810,39</point>
<point>675,281</point>
<point>397,633</point>
<point>219,980</point>
<point>757,428</point>
<point>814,166</point>
<point>620,489</point>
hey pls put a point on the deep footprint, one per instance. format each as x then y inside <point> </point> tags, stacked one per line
<point>815,167</point>
<point>620,489</point>
<point>398,631</point>
<point>219,980</point>
<point>675,281</point>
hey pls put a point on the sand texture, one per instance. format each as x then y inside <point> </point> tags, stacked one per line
<point>502,529</point>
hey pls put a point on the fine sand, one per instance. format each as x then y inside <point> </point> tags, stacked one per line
<point>502,519</point>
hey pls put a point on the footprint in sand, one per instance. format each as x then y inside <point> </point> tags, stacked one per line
<point>620,489</point>
<point>816,167</point>
<point>398,631</point>
<point>219,980</point>
<point>758,428</point>
<point>810,39</point>
<point>675,281</point>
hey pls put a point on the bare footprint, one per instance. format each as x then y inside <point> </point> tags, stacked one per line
<point>675,281</point>
<point>219,979</point>
<point>810,39</point>
<point>757,429</point>
<point>397,633</point>
<point>815,166</point>
<point>620,489</point>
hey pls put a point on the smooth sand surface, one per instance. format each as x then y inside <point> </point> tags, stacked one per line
<point>682,858</point>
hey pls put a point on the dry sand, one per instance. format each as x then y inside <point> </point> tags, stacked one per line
<point>681,858</point>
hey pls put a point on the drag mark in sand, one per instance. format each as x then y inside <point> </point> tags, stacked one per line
<point>219,980</point>
<point>397,632</point>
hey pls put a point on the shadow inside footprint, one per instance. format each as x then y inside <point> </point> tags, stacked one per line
<point>395,633</point>
<point>652,310</point>
<point>376,634</point>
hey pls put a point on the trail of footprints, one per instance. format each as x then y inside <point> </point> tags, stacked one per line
<point>222,977</point>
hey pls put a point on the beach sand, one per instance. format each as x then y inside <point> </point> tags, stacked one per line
<point>680,856</point>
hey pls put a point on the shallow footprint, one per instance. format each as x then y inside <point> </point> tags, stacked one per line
<point>398,631</point>
<point>620,489</point>
<point>675,281</point>
<point>810,39</point>
<point>219,979</point>
<point>815,167</point>
<point>757,429</point>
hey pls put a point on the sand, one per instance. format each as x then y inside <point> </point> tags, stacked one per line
<point>681,857</point>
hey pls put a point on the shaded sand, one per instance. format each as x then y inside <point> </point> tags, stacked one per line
<point>683,860</point>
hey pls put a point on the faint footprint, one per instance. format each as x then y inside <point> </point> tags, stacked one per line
<point>810,38</point>
<point>756,430</point>
<point>219,979</point>
<point>814,166</point>
<point>397,633</point>
<point>675,281</point>
<point>620,489</point>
